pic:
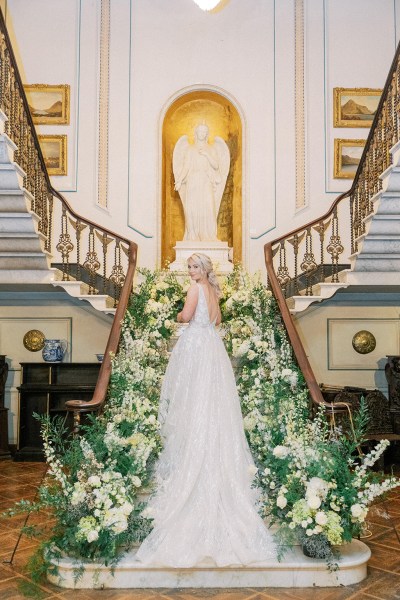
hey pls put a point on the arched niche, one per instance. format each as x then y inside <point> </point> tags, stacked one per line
<point>223,120</point>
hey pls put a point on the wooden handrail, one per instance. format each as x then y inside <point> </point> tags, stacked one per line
<point>298,349</point>
<point>328,213</point>
<point>100,392</point>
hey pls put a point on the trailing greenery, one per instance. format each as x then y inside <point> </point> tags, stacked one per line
<point>312,482</point>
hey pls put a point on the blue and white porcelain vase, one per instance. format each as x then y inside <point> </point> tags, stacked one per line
<point>54,350</point>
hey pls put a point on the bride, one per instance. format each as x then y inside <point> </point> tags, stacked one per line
<point>204,507</point>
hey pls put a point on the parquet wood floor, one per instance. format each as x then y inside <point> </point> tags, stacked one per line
<point>19,480</point>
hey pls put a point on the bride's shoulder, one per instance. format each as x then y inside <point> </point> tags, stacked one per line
<point>193,291</point>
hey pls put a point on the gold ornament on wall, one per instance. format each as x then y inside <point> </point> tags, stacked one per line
<point>34,340</point>
<point>364,342</point>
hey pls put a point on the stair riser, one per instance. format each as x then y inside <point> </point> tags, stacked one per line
<point>391,181</point>
<point>16,276</point>
<point>23,224</point>
<point>24,262</point>
<point>19,244</point>
<point>7,148</point>
<point>14,204</point>
<point>378,246</point>
<point>365,278</point>
<point>377,264</point>
<point>388,206</point>
<point>383,227</point>
<point>10,179</point>
<point>395,152</point>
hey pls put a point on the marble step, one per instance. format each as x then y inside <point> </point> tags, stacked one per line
<point>294,570</point>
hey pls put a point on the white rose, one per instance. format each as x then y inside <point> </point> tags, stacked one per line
<point>309,532</point>
<point>313,502</point>
<point>94,480</point>
<point>281,501</point>
<point>167,323</point>
<point>136,481</point>
<point>92,536</point>
<point>152,419</point>
<point>316,485</point>
<point>321,518</point>
<point>358,512</point>
<point>280,451</point>
<point>249,422</point>
<point>267,471</point>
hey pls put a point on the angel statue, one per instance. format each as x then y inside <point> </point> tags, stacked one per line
<point>200,172</point>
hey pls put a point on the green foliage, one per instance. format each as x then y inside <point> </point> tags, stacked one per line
<point>94,481</point>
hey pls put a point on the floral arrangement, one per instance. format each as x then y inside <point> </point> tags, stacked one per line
<point>318,485</point>
<point>94,482</point>
<point>310,482</point>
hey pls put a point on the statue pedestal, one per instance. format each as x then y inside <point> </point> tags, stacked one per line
<point>217,251</point>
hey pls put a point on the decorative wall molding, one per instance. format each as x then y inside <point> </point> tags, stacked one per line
<point>300,134</point>
<point>104,92</point>
<point>341,354</point>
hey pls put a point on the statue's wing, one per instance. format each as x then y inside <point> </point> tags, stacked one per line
<point>178,164</point>
<point>224,161</point>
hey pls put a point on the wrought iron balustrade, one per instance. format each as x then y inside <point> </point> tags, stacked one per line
<point>91,252</point>
<point>315,251</point>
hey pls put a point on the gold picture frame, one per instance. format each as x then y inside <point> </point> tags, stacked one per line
<point>49,104</point>
<point>355,107</point>
<point>346,164</point>
<point>54,150</point>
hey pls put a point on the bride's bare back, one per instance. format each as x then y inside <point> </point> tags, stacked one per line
<point>191,302</point>
<point>214,311</point>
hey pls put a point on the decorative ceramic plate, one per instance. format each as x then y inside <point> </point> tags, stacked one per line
<point>34,340</point>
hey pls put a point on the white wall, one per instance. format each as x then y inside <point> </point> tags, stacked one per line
<point>327,330</point>
<point>160,49</point>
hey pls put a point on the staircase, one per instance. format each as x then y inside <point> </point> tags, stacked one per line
<point>307,266</point>
<point>375,263</point>
<point>42,240</point>
<point>24,258</point>
<point>377,260</point>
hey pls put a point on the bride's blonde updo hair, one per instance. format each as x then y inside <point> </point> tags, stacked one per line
<point>204,262</point>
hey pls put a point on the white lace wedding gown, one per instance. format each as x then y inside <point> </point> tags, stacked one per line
<point>204,507</point>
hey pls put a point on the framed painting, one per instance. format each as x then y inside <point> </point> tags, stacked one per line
<point>355,107</point>
<point>54,150</point>
<point>49,104</point>
<point>347,158</point>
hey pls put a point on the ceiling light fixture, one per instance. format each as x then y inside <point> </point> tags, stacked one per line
<point>207,4</point>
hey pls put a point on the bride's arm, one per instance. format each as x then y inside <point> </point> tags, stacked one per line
<point>190,305</point>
